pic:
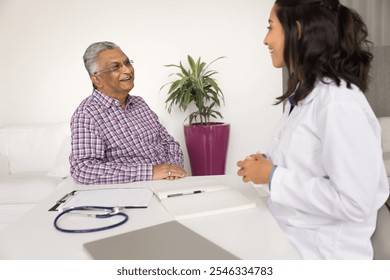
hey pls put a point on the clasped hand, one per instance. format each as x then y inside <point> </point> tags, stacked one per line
<point>255,168</point>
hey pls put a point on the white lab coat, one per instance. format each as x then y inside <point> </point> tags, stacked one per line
<point>331,178</point>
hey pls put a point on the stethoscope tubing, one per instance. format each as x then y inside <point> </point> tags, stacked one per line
<point>99,216</point>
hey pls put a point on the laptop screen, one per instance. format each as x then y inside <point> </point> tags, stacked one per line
<point>167,241</point>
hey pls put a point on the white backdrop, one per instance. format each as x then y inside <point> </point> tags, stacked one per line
<point>42,77</point>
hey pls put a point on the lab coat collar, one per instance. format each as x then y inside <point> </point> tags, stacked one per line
<point>318,86</point>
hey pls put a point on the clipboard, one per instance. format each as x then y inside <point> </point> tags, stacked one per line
<point>122,197</point>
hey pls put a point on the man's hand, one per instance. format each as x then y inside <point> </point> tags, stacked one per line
<point>255,168</point>
<point>168,171</point>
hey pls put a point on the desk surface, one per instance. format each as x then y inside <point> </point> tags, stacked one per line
<point>249,234</point>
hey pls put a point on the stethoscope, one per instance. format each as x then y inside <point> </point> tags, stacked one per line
<point>108,212</point>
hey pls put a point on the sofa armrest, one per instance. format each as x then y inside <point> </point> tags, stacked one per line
<point>4,165</point>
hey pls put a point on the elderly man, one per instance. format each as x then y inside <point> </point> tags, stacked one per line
<point>116,137</point>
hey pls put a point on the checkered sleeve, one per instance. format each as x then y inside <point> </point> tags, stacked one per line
<point>88,161</point>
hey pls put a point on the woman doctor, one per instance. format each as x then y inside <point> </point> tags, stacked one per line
<point>324,169</point>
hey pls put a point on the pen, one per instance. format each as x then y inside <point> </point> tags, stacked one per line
<point>181,194</point>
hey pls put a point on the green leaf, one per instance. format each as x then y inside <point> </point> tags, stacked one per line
<point>195,84</point>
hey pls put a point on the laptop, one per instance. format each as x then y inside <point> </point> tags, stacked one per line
<point>167,241</point>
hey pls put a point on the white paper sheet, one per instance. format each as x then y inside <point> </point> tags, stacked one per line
<point>110,198</point>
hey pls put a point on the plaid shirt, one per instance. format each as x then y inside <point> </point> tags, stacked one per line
<point>114,145</point>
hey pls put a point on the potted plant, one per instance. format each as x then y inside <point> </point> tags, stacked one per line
<point>206,140</point>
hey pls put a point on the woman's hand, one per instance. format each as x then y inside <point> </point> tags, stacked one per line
<point>255,168</point>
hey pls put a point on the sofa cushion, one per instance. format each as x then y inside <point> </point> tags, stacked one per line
<point>61,167</point>
<point>32,148</point>
<point>26,189</point>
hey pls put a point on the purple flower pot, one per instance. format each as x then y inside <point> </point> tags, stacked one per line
<point>207,147</point>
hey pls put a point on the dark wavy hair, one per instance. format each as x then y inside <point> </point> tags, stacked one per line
<point>330,42</point>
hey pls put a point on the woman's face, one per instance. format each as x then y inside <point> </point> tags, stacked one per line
<point>275,39</point>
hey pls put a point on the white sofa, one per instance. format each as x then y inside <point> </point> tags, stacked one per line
<point>33,161</point>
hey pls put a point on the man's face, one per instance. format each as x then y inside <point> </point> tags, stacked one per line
<point>116,74</point>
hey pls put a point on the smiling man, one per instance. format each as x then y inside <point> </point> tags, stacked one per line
<point>116,137</point>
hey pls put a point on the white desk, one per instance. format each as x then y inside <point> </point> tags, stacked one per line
<point>249,234</point>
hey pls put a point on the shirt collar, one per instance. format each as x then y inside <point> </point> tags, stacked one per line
<point>291,101</point>
<point>108,101</point>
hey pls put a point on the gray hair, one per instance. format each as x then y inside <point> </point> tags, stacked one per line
<point>92,52</point>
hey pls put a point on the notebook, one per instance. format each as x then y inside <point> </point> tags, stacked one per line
<point>193,201</point>
<point>167,241</point>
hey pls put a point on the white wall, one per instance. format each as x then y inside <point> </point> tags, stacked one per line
<point>42,77</point>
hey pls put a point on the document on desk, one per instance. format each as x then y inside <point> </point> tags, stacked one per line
<point>123,197</point>
<point>190,202</point>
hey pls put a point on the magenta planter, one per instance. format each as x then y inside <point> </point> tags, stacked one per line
<point>207,147</point>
